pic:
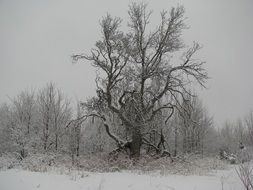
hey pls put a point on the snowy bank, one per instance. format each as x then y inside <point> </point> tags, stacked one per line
<point>25,180</point>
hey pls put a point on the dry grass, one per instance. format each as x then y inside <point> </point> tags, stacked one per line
<point>187,165</point>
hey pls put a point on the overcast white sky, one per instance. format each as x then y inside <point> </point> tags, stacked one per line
<point>37,39</point>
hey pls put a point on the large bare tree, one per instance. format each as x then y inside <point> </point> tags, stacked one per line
<point>140,79</point>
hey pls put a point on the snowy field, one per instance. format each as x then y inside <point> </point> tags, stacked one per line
<point>15,179</point>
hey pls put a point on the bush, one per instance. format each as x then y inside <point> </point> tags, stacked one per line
<point>245,173</point>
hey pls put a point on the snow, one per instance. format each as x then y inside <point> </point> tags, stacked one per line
<point>25,180</point>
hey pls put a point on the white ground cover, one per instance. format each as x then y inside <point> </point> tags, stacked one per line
<point>17,179</point>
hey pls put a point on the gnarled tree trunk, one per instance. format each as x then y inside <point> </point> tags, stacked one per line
<point>135,145</point>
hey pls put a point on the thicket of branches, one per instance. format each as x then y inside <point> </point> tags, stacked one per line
<point>140,83</point>
<point>35,122</point>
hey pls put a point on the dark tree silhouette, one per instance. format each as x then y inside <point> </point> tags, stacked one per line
<point>139,79</point>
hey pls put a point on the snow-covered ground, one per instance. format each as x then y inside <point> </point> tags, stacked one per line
<point>25,180</point>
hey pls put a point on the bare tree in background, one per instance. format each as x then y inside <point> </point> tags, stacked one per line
<point>194,124</point>
<point>54,114</point>
<point>74,128</point>
<point>22,120</point>
<point>61,115</point>
<point>249,124</point>
<point>132,62</point>
<point>6,143</point>
<point>174,123</point>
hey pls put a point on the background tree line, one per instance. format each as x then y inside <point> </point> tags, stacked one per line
<point>44,121</point>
